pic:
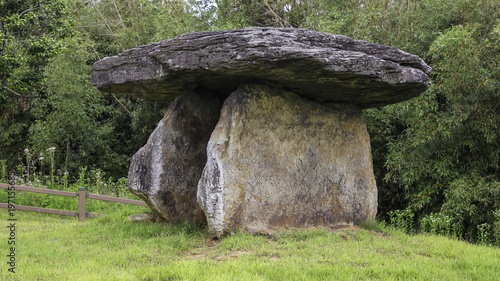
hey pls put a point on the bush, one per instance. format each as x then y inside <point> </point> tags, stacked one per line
<point>472,204</point>
<point>440,224</point>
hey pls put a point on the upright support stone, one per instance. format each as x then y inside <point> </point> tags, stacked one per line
<point>165,172</point>
<point>276,160</point>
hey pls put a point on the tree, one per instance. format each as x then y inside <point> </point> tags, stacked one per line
<point>451,140</point>
<point>437,151</point>
<point>47,100</point>
<point>29,32</point>
<point>232,14</point>
<point>117,25</point>
<point>443,145</point>
<point>87,127</point>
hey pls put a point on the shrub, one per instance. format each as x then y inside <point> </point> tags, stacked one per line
<point>472,203</point>
<point>440,224</point>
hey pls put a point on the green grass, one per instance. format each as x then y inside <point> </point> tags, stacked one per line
<point>51,247</point>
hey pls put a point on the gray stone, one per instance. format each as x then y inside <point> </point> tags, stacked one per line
<point>140,218</point>
<point>277,160</point>
<point>165,172</point>
<point>320,66</point>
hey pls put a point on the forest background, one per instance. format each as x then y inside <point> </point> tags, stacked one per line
<point>436,157</point>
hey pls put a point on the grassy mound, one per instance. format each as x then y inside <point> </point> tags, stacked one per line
<point>51,247</point>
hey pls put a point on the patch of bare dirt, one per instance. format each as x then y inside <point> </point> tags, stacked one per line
<point>215,254</point>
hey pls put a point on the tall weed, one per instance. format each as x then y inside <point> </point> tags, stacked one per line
<point>402,219</point>
<point>496,227</point>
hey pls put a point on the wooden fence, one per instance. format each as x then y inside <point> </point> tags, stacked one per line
<point>81,194</point>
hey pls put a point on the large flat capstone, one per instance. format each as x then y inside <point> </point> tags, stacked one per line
<point>276,160</point>
<point>320,66</point>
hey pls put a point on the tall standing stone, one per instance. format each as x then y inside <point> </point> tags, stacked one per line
<point>278,160</point>
<point>165,172</point>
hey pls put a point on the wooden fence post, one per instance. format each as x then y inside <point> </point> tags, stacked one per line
<point>81,203</point>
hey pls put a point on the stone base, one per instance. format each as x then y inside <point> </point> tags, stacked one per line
<point>278,160</point>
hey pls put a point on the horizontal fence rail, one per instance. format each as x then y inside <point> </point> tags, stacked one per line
<point>115,199</point>
<point>81,194</point>
<point>40,190</point>
<point>40,210</point>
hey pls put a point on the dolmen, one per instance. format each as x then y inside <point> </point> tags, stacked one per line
<point>265,129</point>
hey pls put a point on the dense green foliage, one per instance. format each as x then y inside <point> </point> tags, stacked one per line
<point>435,156</point>
<point>439,153</point>
<point>29,36</point>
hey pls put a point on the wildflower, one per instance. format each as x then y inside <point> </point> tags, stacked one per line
<point>26,151</point>
<point>51,149</point>
<point>41,158</point>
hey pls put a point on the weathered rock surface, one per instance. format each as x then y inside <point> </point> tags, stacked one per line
<point>140,218</point>
<point>276,160</point>
<point>165,172</point>
<point>320,66</point>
